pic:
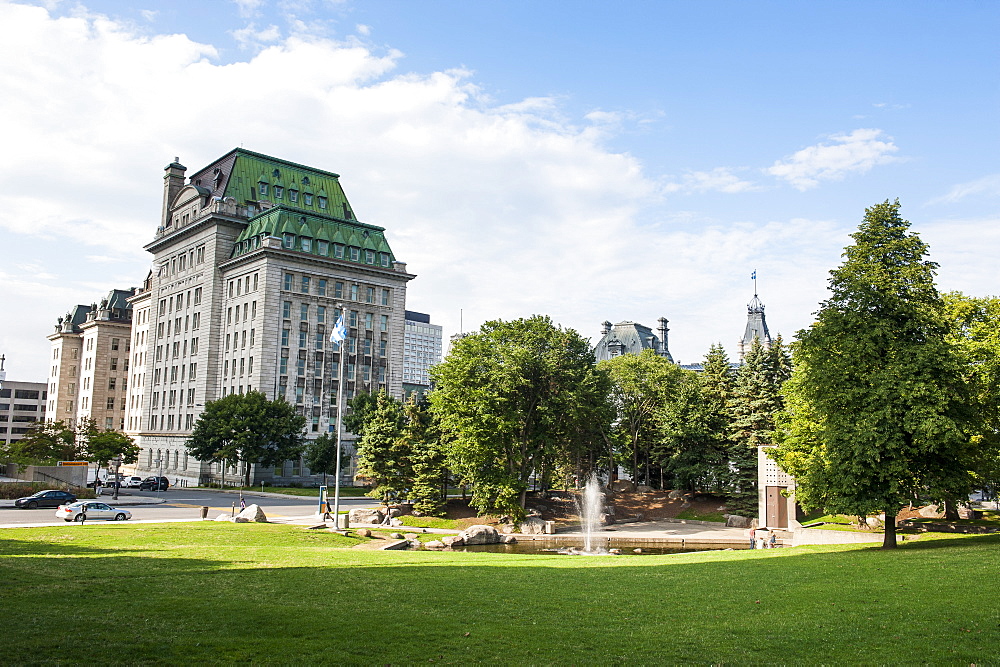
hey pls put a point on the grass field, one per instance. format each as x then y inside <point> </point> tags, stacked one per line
<point>262,593</point>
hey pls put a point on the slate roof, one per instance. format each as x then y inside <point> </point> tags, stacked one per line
<point>756,324</point>
<point>633,337</point>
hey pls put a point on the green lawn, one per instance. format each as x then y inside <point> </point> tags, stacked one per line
<point>224,593</point>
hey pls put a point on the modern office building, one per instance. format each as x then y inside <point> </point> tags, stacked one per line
<point>253,258</point>
<point>21,405</point>
<point>421,350</point>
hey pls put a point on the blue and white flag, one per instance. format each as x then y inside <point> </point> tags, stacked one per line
<point>753,276</point>
<point>339,333</point>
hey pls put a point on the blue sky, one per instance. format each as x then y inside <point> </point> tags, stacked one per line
<point>586,160</point>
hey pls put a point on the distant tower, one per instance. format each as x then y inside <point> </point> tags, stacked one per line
<point>664,350</point>
<point>756,327</point>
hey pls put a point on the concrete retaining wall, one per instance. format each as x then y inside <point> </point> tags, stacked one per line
<point>819,536</point>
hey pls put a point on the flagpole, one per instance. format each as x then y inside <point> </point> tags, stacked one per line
<point>340,410</point>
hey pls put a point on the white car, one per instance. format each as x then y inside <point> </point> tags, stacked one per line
<point>131,482</point>
<point>93,509</point>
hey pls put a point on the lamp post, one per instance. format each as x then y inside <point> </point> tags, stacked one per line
<point>159,468</point>
<point>117,461</point>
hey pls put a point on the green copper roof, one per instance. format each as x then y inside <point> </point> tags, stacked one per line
<point>316,234</point>
<point>285,183</point>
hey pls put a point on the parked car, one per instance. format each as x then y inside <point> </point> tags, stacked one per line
<point>131,482</point>
<point>154,484</point>
<point>93,509</point>
<point>52,498</point>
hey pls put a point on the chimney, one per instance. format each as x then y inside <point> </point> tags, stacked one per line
<point>173,181</point>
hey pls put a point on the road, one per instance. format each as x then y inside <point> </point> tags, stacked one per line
<point>185,505</point>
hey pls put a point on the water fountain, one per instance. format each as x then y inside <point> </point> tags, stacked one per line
<point>590,506</point>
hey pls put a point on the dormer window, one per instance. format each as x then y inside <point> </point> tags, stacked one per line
<point>293,195</point>
<point>277,191</point>
<point>355,254</point>
<point>306,245</point>
<point>323,248</point>
<point>262,189</point>
<point>385,259</point>
<point>338,251</point>
<point>369,257</point>
<point>322,202</point>
<point>308,199</point>
<point>289,240</point>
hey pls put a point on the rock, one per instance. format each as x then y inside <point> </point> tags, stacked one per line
<point>223,517</point>
<point>607,520</point>
<point>365,515</point>
<point>395,511</point>
<point>508,539</point>
<point>480,534</point>
<point>253,513</point>
<point>676,494</point>
<point>873,521</point>
<point>508,528</point>
<point>737,521</point>
<point>453,541</point>
<point>395,521</point>
<point>642,488</point>
<point>930,512</point>
<point>622,486</point>
<point>685,505</point>
<point>637,551</point>
<point>435,544</point>
<point>615,552</point>
<point>533,526</point>
<point>396,536</point>
<point>411,537</point>
<point>364,532</point>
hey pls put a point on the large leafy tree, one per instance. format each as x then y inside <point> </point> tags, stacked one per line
<point>642,384</point>
<point>383,456</point>
<point>879,388</point>
<point>45,444</point>
<point>102,446</point>
<point>249,428</point>
<point>320,455</point>
<point>975,333</point>
<point>510,400</point>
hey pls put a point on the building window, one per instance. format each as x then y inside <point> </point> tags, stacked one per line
<point>288,282</point>
<point>278,190</point>
<point>385,297</point>
<point>322,201</point>
<point>304,312</point>
<point>355,254</point>
<point>354,292</point>
<point>353,318</point>
<point>306,245</point>
<point>293,195</point>
<point>338,251</point>
<point>286,310</point>
<point>383,322</point>
<point>289,240</point>
<point>323,248</point>
<point>305,285</point>
<point>113,363</point>
<point>111,384</point>
<point>284,337</point>
<point>262,189</point>
<point>338,290</point>
<point>369,319</point>
<point>369,295</point>
<point>369,257</point>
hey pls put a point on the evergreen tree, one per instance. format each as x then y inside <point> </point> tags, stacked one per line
<point>383,457</point>
<point>756,401</point>
<point>320,455</point>
<point>879,387</point>
<point>430,474</point>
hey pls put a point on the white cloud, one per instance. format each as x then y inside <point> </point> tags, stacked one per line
<point>987,185</point>
<point>856,152</point>
<point>363,30</point>
<point>149,14</point>
<point>720,179</point>
<point>253,38</point>
<point>248,8</point>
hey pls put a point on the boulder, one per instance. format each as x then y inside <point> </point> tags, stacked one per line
<point>508,528</point>
<point>622,486</point>
<point>676,494</point>
<point>411,537</point>
<point>396,536</point>
<point>252,513</point>
<point>737,521</point>
<point>607,520</point>
<point>223,517</point>
<point>873,521</point>
<point>930,512</point>
<point>364,532</point>
<point>395,511</point>
<point>508,539</point>
<point>365,515</point>
<point>480,534</point>
<point>435,544</point>
<point>533,526</point>
<point>453,541</point>
<point>642,488</point>
<point>395,521</point>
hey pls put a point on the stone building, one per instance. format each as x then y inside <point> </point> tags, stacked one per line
<point>21,405</point>
<point>253,258</point>
<point>756,328</point>
<point>90,363</point>
<point>631,338</point>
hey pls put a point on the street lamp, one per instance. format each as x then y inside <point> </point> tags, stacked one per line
<point>159,471</point>
<point>117,462</point>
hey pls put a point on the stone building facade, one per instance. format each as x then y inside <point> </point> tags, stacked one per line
<point>253,259</point>
<point>21,405</point>
<point>631,338</point>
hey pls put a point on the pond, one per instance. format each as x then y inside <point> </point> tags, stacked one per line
<point>625,546</point>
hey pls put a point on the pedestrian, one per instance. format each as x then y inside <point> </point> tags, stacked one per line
<point>243,503</point>
<point>760,539</point>
<point>97,487</point>
<point>753,542</point>
<point>773,540</point>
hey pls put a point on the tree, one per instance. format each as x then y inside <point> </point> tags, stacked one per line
<point>755,402</point>
<point>249,428</point>
<point>45,444</point>
<point>642,384</point>
<point>383,457</point>
<point>975,332</point>
<point>105,445</point>
<point>510,401</point>
<point>361,405</point>
<point>429,489</point>
<point>877,407</point>
<point>320,455</point>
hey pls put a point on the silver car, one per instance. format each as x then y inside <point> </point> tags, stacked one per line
<point>93,510</point>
